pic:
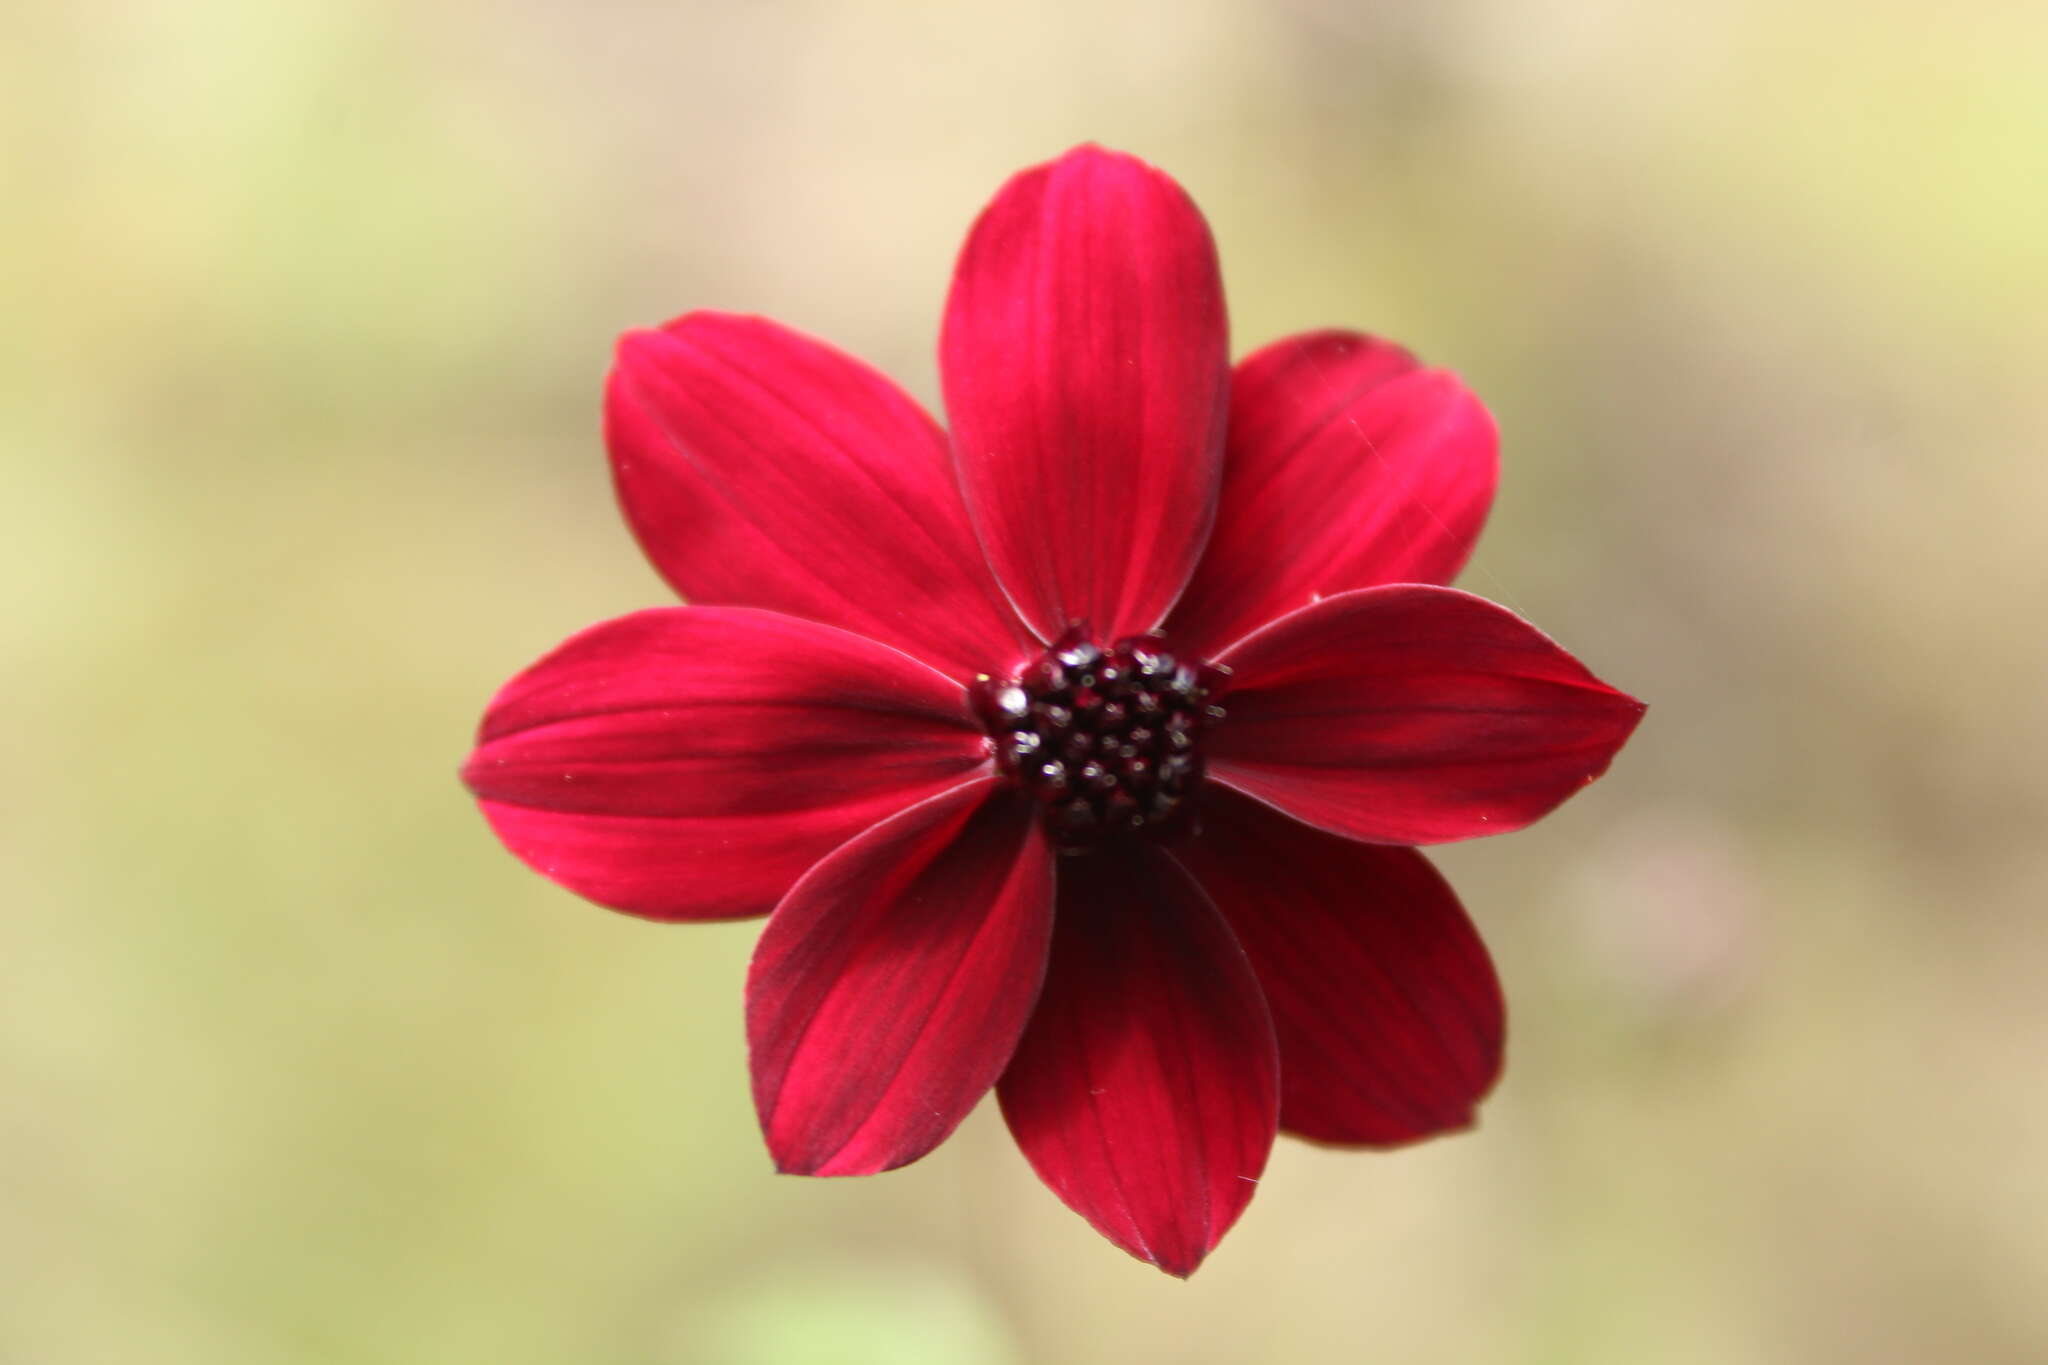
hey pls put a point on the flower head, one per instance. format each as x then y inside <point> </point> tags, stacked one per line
<point>1080,754</point>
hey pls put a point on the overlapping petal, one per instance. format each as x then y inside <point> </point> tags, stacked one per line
<point>692,762</point>
<point>890,987</point>
<point>1413,715</point>
<point>1145,1091</point>
<point>1384,1000</point>
<point>1085,360</point>
<point>1347,467</point>
<point>762,468</point>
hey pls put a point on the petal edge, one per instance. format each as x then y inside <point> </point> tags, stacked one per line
<point>761,467</point>
<point>1085,364</point>
<point>1145,1092</point>
<point>890,987</point>
<point>1348,466</point>
<point>1411,714</point>
<point>1384,999</point>
<point>692,762</point>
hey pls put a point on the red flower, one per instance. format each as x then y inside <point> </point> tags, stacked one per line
<point>1151,880</point>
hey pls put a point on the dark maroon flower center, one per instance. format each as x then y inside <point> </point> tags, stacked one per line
<point>1110,741</point>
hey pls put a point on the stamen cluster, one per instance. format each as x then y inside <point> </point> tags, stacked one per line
<point>1108,740</point>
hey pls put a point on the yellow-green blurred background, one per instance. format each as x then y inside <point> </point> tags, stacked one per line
<point>306,308</point>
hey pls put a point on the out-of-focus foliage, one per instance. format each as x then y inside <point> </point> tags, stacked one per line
<point>307,306</point>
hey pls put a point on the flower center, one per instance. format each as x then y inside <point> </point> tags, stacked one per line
<point>1110,741</point>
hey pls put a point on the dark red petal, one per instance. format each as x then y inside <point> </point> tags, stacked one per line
<point>1146,1090</point>
<point>1413,715</point>
<point>891,984</point>
<point>1383,997</point>
<point>1347,467</point>
<point>762,468</point>
<point>1085,360</point>
<point>692,762</point>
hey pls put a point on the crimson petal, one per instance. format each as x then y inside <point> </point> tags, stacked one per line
<point>1085,359</point>
<point>1347,467</point>
<point>891,984</point>
<point>1146,1090</point>
<point>692,762</point>
<point>1384,999</point>
<point>1413,715</point>
<point>762,468</point>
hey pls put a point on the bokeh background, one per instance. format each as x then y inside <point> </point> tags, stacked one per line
<point>307,307</point>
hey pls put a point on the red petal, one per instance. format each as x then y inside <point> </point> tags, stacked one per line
<point>1146,1091</point>
<point>892,982</point>
<point>762,468</point>
<point>691,762</point>
<point>1383,997</point>
<point>1347,467</point>
<point>1413,715</point>
<point>1085,363</point>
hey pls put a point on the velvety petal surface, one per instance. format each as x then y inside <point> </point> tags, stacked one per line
<point>1348,466</point>
<point>1388,1013</point>
<point>692,762</point>
<point>1146,1090</point>
<point>1085,360</point>
<point>1413,715</point>
<point>762,468</point>
<point>891,984</point>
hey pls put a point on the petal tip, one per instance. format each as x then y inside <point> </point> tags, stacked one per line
<point>837,1164</point>
<point>1085,158</point>
<point>1414,1134</point>
<point>632,346</point>
<point>793,1157</point>
<point>1451,1124</point>
<point>637,347</point>
<point>1092,150</point>
<point>1630,712</point>
<point>1179,1262</point>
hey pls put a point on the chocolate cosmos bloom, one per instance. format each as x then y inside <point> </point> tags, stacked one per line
<point>1080,754</point>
